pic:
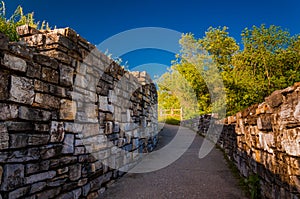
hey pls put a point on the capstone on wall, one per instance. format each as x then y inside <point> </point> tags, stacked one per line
<point>71,119</point>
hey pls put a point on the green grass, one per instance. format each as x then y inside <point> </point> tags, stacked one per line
<point>170,120</point>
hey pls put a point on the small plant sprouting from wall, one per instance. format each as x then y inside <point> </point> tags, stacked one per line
<point>253,184</point>
<point>8,25</point>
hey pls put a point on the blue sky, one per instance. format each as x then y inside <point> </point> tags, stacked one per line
<point>98,20</point>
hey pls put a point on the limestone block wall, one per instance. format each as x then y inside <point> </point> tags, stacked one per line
<point>71,119</point>
<point>265,140</point>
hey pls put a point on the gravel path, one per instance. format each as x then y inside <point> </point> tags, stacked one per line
<point>188,177</point>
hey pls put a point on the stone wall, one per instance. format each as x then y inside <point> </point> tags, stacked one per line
<point>265,140</point>
<point>71,119</point>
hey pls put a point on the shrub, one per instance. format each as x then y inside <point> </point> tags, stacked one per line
<point>8,25</point>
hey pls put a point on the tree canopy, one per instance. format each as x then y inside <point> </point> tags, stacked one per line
<point>267,60</point>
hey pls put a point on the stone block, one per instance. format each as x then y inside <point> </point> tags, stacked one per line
<point>50,75</point>
<point>26,30</point>
<point>34,114</point>
<point>21,90</point>
<point>264,122</point>
<point>103,103</point>
<point>40,177</point>
<point>38,139</point>
<point>34,70</point>
<point>4,138</point>
<point>297,112</point>
<point>45,61</point>
<point>50,151</point>
<point>39,186</point>
<point>66,75</point>
<point>41,86</point>
<point>57,131</point>
<point>19,126</point>
<point>18,140</point>
<point>68,146</point>
<point>61,56</point>
<point>75,172</point>
<point>13,176</point>
<point>46,101</point>
<point>68,110</point>
<point>18,193</point>
<point>4,79</point>
<point>14,63</point>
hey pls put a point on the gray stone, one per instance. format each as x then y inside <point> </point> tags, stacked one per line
<point>18,192</point>
<point>66,75</point>
<point>8,111</point>
<point>40,177</point>
<point>45,61</point>
<point>50,75</point>
<point>18,140</point>
<point>13,176</point>
<point>50,151</point>
<point>33,114</point>
<point>24,155</point>
<point>72,194</point>
<point>32,168</point>
<point>19,126</point>
<point>38,139</point>
<point>37,187</point>
<point>75,172</point>
<point>4,138</point>
<point>4,79</point>
<point>42,127</point>
<point>14,63</point>
<point>103,103</point>
<point>22,90</point>
<point>48,193</point>
<point>68,146</point>
<point>34,70</point>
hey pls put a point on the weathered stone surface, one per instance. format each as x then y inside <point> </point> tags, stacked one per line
<point>4,78</point>
<point>34,114</point>
<point>14,63</point>
<point>18,140</point>
<point>264,123</point>
<point>37,187</point>
<point>297,112</point>
<point>21,90</point>
<point>26,30</point>
<point>66,75</point>
<point>4,138</point>
<point>19,126</point>
<point>18,192</point>
<point>38,139</point>
<point>40,177</point>
<point>68,146</point>
<point>50,151</point>
<point>46,101</point>
<point>50,75</point>
<point>68,109</point>
<point>13,176</point>
<point>57,131</point>
<point>34,70</point>
<point>45,61</point>
<point>49,126</point>
<point>75,172</point>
